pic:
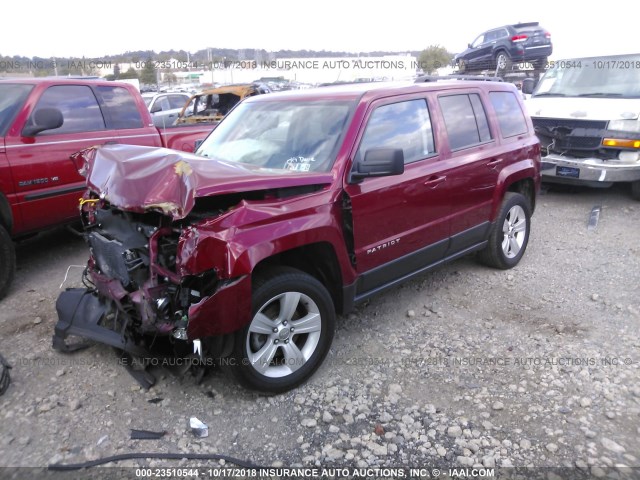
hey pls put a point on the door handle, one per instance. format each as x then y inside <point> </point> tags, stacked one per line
<point>434,181</point>
<point>494,163</point>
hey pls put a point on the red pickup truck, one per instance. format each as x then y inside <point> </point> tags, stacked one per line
<point>296,207</point>
<point>43,122</point>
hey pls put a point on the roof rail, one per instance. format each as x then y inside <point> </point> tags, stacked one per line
<point>526,24</point>
<point>435,78</point>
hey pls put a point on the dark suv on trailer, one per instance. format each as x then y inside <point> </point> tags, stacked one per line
<point>502,47</point>
<point>298,206</point>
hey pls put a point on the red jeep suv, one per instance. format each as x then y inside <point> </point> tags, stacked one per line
<point>296,207</point>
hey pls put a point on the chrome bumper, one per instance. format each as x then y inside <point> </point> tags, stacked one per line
<point>558,168</point>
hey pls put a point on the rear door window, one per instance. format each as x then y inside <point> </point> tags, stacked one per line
<point>177,101</point>
<point>465,120</point>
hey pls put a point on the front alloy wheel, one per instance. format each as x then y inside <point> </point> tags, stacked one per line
<point>290,332</point>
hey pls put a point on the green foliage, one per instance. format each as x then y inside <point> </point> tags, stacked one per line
<point>434,57</point>
<point>131,73</point>
<point>148,75</point>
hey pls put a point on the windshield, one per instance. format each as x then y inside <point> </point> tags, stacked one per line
<point>294,136</point>
<point>12,96</point>
<point>147,101</point>
<point>613,77</point>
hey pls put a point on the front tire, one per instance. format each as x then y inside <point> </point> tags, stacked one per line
<point>510,234</point>
<point>7,261</point>
<point>290,332</point>
<point>635,190</point>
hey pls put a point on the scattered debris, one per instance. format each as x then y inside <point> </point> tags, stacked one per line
<point>156,400</point>
<point>198,428</point>
<point>594,217</point>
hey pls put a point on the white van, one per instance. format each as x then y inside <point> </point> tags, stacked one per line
<point>586,113</point>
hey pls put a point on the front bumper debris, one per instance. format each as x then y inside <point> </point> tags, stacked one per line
<point>80,313</point>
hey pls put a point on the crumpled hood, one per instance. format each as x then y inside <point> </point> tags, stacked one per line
<point>143,179</point>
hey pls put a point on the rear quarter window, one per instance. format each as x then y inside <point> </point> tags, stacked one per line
<point>510,116</point>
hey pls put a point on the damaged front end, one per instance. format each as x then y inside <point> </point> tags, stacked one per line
<point>134,294</point>
<point>173,240</point>
<point>140,297</point>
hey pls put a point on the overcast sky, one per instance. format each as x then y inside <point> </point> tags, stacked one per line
<point>94,29</point>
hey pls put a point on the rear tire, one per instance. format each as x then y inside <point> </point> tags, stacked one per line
<point>290,332</point>
<point>510,234</point>
<point>7,261</point>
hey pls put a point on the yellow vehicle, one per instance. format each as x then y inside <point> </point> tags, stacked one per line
<point>211,105</point>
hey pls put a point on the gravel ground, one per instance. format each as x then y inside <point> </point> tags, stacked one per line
<point>464,367</point>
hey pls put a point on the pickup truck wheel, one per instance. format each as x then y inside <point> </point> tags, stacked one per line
<point>635,190</point>
<point>510,234</point>
<point>290,332</point>
<point>7,261</point>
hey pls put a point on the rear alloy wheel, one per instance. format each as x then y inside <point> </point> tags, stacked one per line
<point>290,332</point>
<point>462,66</point>
<point>510,234</point>
<point>503,62</point>
<point>7,261</point>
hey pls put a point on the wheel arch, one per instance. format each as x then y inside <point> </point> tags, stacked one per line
<point>316,259</point>
<point>518,177</point>
<point>526,188</point>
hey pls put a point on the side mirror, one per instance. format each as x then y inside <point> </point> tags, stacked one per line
<point>528,84</point>
<point>44,119</point>
<point>378,162</point>
<point>156,108</point>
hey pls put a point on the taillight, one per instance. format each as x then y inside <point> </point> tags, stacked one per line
<point>547,34</point>
<point>518,38</point>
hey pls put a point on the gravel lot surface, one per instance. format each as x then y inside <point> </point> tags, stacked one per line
<point>467,366</point>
